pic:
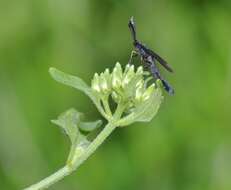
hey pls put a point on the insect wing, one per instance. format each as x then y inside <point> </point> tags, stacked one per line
<point>160,60</point>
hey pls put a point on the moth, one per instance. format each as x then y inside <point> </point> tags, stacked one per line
<point>149,58</point>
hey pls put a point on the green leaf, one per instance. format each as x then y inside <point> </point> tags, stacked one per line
<point>148,109</point>
<point>90,126</point>
<point>74,82</point>
<point>69,80</point>
<point>145,111</point>
<point>69,122</point>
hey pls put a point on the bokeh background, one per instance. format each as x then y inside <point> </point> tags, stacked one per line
<point>187,146</point>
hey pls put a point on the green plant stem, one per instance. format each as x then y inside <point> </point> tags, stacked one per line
<point>100,109</point>
<point>119,110</point>
<point>106,106</point>
<point>77,161</point>
<point>45,183</point>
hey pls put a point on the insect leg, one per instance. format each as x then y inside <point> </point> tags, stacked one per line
<point>133,54</point>
<point>155,72</point>
<point>146,64</point>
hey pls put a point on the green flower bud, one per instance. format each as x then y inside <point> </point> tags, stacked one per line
<point>95,83</point>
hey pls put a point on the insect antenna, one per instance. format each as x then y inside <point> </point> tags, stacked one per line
<point>131,25</point>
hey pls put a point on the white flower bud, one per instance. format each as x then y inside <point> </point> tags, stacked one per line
<point>107,73</point>
<point>108,78</point>
<point>126,68</point>
<point>140,70</point>
<point>103,83</point>
<point>117,76</point>
<point>118,70</point>
<point>128,76</point>
<point>95,83</point>
<point>139,93</point>
<point>140,83</point>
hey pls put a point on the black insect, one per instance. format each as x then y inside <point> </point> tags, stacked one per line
<point>149,58</point>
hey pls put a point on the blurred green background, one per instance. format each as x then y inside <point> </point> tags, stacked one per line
<point>188,144</point>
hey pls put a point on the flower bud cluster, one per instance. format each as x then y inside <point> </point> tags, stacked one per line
<point>125,85</point>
